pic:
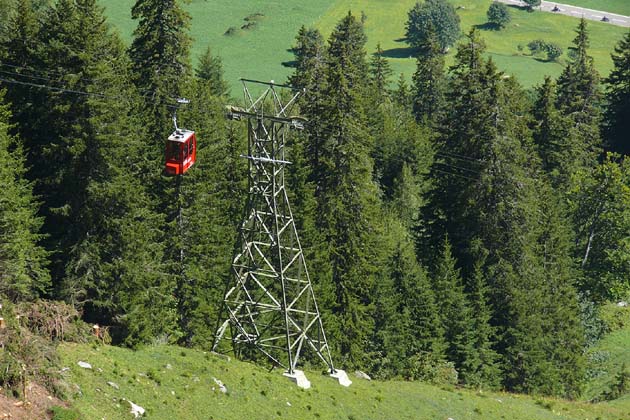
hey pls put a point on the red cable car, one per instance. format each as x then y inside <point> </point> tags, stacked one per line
<point>181,151</point>
<point>181,147</point>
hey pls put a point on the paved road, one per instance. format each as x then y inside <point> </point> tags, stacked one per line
<point>565,9</point>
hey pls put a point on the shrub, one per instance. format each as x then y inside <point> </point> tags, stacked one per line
<point>553,51</point>
<point>536,46</point>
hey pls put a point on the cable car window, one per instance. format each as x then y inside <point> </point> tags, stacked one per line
<point>172,151</point>
<point>191,147</point>
<point>185,150</point>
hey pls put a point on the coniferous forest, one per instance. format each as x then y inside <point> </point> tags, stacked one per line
<point>455,224</point>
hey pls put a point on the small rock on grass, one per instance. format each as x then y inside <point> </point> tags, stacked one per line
<point>84,365</point>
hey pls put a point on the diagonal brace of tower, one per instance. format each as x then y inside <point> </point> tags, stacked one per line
<point>269,304</point>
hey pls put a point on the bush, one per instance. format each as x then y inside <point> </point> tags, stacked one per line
<point>425,367</point>
<point>498,14</point>
<point>550,49</point>
<point>536,46</point>
<point>553,51</point>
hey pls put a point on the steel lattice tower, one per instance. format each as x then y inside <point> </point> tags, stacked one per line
<point>270,305</point>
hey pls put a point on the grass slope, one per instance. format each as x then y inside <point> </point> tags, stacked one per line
<point>621,7</point>
<point>256,52</point>
<point>259,52</point>
<point>174,383</point>
<point>610,353</point>
<point>386,21</point>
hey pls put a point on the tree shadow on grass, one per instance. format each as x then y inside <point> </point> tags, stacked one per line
<point>291,64</point>
<point>403,52</point>
<point>488,26</point>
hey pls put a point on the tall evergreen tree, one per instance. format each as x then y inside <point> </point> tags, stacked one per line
<point>550,131</point>
<point>110,237</point>
<point>380,72</point>
<point>579,98</point>
<point>617,115</point>
<point>347,199</point>
<point>212,195</point>
<point>407,323</point>
<point>210,69</point>
<point>454,312</point>
<point>429,80</point>
<point>161,63</point>
<point>492,209</point>
<point>23,271</point>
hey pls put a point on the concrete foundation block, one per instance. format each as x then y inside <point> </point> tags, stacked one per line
<point>299,378</point>
<point>342,377</point>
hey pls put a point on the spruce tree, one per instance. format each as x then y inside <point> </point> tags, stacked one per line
<point>549,129</point>
<point>617,115</point>
<point>428,80</point>
<point>489,205</point>
<point>407,322</point>
<point>212,195</point>
<point>112,266</point>
<point>347,200</point>
<point>579,98</point>
<point>380,72</point>
<point>454,312</point>
<point>210,69</point>
<point>23,262</point>
<point>160,56</point>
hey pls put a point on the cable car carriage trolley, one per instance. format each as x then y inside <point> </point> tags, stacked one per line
<point>181,148</point>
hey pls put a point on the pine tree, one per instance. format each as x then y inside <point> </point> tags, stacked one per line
<point>428,80</point>
<point>23,271</point>
<point>579,98</point>
<point>454,312</point>
<point>617,115</point>
<point>491,208</point>
<point>407,324</point>
<point>210,69</point>
<point>347,200</point>
<point>160,56</point>
<point>309,56</point>
<point>481,365</point>
<point>550,131</point>
<point>380,72</point>
<point>212,195</point>
<point>20,51</point>
<point>112,265</point>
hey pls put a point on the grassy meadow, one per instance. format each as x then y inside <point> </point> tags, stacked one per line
<point>259,51</point>
<point>175,383</point>
<point>621,7</point>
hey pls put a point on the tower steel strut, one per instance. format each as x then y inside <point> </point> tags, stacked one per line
<point>269,304</point>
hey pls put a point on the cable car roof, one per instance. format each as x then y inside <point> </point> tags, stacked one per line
<point>181,135</point>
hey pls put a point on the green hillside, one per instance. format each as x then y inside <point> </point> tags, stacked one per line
<point>609,355</point>
<point>621,7</point>
<point>170,383</point>
<point>260,50</point>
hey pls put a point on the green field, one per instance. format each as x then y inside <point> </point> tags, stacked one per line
<point>259,52</point>
<point>175,383</point>
<point>621,7</point>
<point>609,355</point>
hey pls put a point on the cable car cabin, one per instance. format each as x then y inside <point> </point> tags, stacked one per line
<point>181,151</point>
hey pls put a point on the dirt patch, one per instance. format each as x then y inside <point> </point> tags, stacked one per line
<point>36,406</point>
